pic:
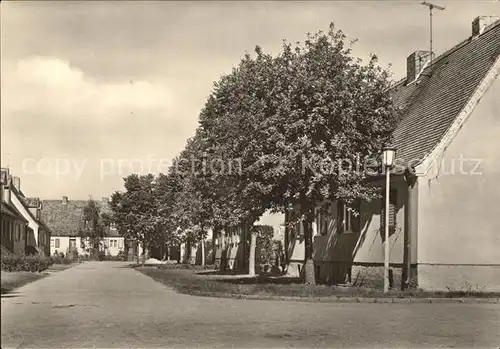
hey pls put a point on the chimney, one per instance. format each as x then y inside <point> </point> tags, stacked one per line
<point>64,200</point>
<point>16,181</point>
<point>415,64</point>
<point>4,175</point>
<point>479,24</point>
<point>6,194</point>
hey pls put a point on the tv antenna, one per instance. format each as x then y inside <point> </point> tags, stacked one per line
<point>431,8</point>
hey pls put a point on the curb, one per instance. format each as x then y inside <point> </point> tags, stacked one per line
<point>364,300</point>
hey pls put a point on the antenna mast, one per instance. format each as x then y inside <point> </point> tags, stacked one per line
<point>431,7</point>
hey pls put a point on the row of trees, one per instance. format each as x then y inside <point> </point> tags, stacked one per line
<point>271,136</point>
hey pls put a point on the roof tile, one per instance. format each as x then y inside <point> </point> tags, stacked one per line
<point>432,103</point>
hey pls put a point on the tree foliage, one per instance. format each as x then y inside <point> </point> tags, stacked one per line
<point>135,210</point>
<point>92,227</point>
<point>278,132</point>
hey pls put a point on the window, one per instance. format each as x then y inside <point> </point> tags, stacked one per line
<point>348,220</point>
<point>120,243</point>
<point>18,232</point>
<point>392,211</point>
<point>112,226</point>
<point>57,243</point>
<point>72,244</point>
<point>323,219</point>
<point>52,243</point>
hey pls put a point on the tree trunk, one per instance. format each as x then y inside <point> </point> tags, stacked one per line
<point>138,252</point>
<point>143,254</point>
<point>202,250</point>
<point>286,242</point>
<point>187,252</point>
<point>223,250</point>
<point>251,258</point>
<point>309,277</point>
<point>214,238</point>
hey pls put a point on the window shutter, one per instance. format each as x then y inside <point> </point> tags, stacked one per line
<point>392,210</point>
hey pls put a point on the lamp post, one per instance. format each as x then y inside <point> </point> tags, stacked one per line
<point>387,161</point>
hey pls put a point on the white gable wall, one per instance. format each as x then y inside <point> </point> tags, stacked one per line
<point>458,230</point>
<point>16,201</point>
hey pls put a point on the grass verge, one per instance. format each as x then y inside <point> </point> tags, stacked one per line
<point>11,281</point>
<point>199,282</point>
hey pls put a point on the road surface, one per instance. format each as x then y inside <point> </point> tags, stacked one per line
<point>108,305</point>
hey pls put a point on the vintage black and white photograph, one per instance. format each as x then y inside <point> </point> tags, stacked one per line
<point>250,174</point>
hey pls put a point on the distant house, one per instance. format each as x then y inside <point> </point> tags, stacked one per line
<point>14,227</point>
<point>444,208</point>
<point>232,247</point>
<point>36,233</point>
<point>66,219</point>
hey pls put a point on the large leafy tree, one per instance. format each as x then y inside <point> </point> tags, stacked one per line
<point>331,110</point>
<point>283,130</point>
<point>313,104</point>
<point>232,114</point>
<point>135,210</point>
<point>92,227</point>
<point>167,188</point>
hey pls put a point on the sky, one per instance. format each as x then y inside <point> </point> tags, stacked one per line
<point>92,91</point>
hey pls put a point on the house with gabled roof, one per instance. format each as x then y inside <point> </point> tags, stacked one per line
<point>66,219</point>
<point>14,228</point>
<point>443,212</point>
<point>36,233</point>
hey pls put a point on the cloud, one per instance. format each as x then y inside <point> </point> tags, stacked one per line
<point>53,87</point>
<point>53,111</point>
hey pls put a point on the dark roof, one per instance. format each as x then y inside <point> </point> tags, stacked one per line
<point>112,233</point>
<point>22,199</point>
<point>63,219</point>
<point>66,219</point>
<point>44,226</point>
<point>31,202</point>
<point>431,104</point>
<point>11,211</point>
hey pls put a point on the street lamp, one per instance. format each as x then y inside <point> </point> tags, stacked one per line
<point>388,156</point>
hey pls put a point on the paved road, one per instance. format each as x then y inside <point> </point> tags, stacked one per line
<point>107,305</point>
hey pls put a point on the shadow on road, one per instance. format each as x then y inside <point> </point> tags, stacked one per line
<point>6,293</point>
<point>216,272</point>
<point>262,280</point>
